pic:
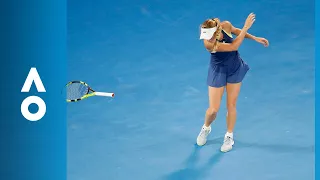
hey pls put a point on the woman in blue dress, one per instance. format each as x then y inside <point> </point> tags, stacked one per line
<point>226,71</point>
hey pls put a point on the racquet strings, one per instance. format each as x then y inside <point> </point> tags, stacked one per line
<point>76,91</point>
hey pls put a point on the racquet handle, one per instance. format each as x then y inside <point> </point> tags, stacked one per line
<point>104,94</point>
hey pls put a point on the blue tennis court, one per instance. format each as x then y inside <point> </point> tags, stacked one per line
<point>149,54</point>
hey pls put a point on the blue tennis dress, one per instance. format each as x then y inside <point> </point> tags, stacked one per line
<point>226,67</point>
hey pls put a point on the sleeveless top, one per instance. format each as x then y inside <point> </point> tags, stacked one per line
<point>231,61</point>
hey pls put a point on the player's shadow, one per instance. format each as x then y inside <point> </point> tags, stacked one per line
<point>192,172</point>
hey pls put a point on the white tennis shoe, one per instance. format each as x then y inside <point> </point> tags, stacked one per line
<point>228,142</point>
<point>202,137</point>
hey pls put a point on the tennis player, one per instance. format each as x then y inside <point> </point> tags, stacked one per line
<point>226,71</point>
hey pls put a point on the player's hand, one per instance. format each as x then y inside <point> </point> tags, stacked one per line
<point>249,21</point>
<point>263,41</point>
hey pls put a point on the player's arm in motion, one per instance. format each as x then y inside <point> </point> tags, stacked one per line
<point>214,45</point>
<point>236,31</point>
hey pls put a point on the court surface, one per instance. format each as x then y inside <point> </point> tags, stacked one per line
<point>148,53</point>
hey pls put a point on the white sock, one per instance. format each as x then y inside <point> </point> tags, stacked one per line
<point>229,134</point>
<point>205,127</point>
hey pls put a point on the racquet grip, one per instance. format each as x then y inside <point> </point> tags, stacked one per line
<point>104,94</point>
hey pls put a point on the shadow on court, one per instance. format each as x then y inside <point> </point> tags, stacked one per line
<point>193,172</point>
<point>190,170</point>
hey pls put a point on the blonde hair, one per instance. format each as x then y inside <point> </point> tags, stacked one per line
<point>211,23</point>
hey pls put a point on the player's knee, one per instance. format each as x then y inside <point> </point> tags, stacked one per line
<point>231,107</point>
<point>212,111</point>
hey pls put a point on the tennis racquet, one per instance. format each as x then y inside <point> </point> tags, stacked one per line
<point>78,90</point>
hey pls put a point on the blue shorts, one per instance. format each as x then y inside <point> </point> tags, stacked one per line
<point>219,76</point>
